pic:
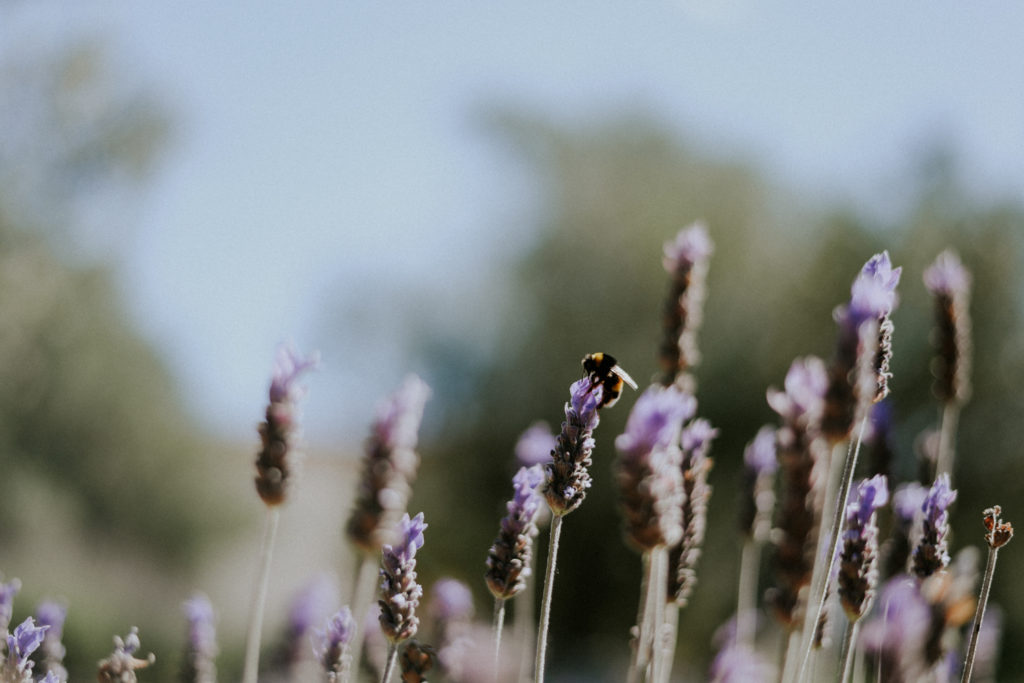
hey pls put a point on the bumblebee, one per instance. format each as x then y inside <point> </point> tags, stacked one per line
<point>603,369</point>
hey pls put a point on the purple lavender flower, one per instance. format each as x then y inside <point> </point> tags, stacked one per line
<point>399,592</point>
<point>508,562</point>
<point>121,665</point>
<point>451,599</point>
<point>25,640</point>
<point>696,443</point>
<point>740,664</point>
<point>931,553</point>
<point>567,476</point>
<point>7,592</point>
<point>201,643</point>
<point>52,614</point>
<point>389,466</point>
<point>896,635</point>
<point>275,460</point>
<point>649,474</point>
<point>331,646</point>
<point>686,260</point>
<point>802,401</point>
<point>757,497</point>
<point>535,445</point>
<point>858,557</point>
<point>950,285</point>
<point>906,507</point>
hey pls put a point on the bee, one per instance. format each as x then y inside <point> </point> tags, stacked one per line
<point>603,369</point>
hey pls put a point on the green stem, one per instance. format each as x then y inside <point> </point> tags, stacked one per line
<point>545,606</point>
<point>750,561</point>
<point>363,592</point>
<point>252,643</point>
<point>846,654</point>
<point>499,623</point>
<point>390,666</point>
<point>639,658</point>
<point>979,614</point>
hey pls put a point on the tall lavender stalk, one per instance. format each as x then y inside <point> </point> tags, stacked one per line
<point>998,534</point>
<point>858,562</point>
<point>566,480</point>
<point>201,642</point>
<point>950,285</point>
<point>651,495</point>
<point>859,375</point>
<point>332,646</point>
<point>931,555</point>
<point>275,465</point>
<point>686,261</point>
<point>757,500</point>
<point>399,592</point>
<point>510,557</point>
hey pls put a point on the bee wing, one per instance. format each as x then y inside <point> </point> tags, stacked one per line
<point>624,376</point>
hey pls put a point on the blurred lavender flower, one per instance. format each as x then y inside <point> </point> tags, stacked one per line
<point>121,665</point>
<point>950,284</point>
<point>7,592</point>
<point>686,261</point>
<point>52,614</point>
<point>27,637</point>
<point>567,476</point>
<point>451,600</point>
<point>801,453</point>
<point>389,466</point>
<point>696,443</point>
<point>311,606</point>
<point>858,373</point>
<point>201,643</point>
<point>649,473</point>
<point>399,592</point>
<point>931,554</point>
<point>275,461</point>
<point>906,507</point>
<point>535,444</point>
<point>895,636</point>
<point>878,439</point>
<point>757,497</point>
<point>858,558</point>
<point>508,562</point>
<point>331,646</point>
<point>740,664</point>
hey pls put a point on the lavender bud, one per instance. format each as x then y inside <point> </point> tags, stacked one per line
<point>275,461</point>
<point>25,640</point>
<point>121,665</point>
<point>757,497</point>
<point>950,284</point>
<point>389,466</point>
<point>858,558</point>
<point>686,261</point>
<point>399,592</point>
<point>931,554</point>
<point>649,474</point>
<point>535,445</point>
<point>508,562</point>
<point>201,644</point>
<point>696,442</point>
<point>859,371</point>
<point>567,476</point>
<point>331,646</point>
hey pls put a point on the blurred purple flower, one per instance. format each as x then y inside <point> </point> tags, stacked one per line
<point>535,445</point>
<point>759,455</point>
<point>7,592</point>
<point>399,592</point>
<point>896,633</point>
<point>931,553</point>
<point>757,494</point>
<point>740,664</point>
<point>947,275</point>
<point>288,365</point>
<point>398,419</point>
<point>873,293</point>
<point>201,643</point>
<point>451,600</point>
<point>691,245</point>
<point>907,502</point>
<point>331,645</point>
<point>655,422</point>
<point>802,401</point>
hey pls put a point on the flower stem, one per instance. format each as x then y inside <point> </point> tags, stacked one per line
<point>362,597</point>
<point>499,623</point>
<point>750,561</point>
<point>848,649</point>
<point>524,624</point>
<point>545,602</point>
<point>660,665</point>
<point>979,614</point>
<point>390,666</point>
<point>948,419</point>
<point>252,644</point>
<point>668,629</point>
<point>640,655</point>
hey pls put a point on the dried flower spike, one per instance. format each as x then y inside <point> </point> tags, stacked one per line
<point>696,443</point>
<point>686,261</point>
<point>999,532</point>
<point>508,562</point>
<point>121,665</point>
<point>275,461</point>
<point>390,465</point>
<point>399,592</point>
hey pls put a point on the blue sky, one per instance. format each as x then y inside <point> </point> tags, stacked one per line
<point>326,149</point>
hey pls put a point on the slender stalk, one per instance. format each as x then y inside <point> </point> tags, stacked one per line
<point>816,602</point>
<point>524,624</point>
<point>660,665</point>
<point>846,653</point>
<point>390,666</point>
<point>639,658</point>
<point>669,629</point>
<point>949,416</point>
<point>545,601</point>
<point>363,592</point>
<point>252,643</point>
<point>979,614</point>
<point>746,604</point>
<point>499,623</point>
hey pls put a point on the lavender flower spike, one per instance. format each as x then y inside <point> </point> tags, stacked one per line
<point>858,559</point>
<point>950,285</point>
<point>25,640</point>
<point>390,465</point>
<point>508,562</point>
<point>331,646</point>
<point>121,665</point>
<point>931,553</point>
<point>686,260</point>
<point>7,592</point>
<point>696,443</point>
<point>740,664</point>
<point>760,462</point>
<point>649,474</point>
<point>275,460</point>
<point>567,476</point>
<point>201,643</point>
<point>52,614</point>
<point>399,592</point>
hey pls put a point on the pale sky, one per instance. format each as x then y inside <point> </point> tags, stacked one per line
<point>327,149</point>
